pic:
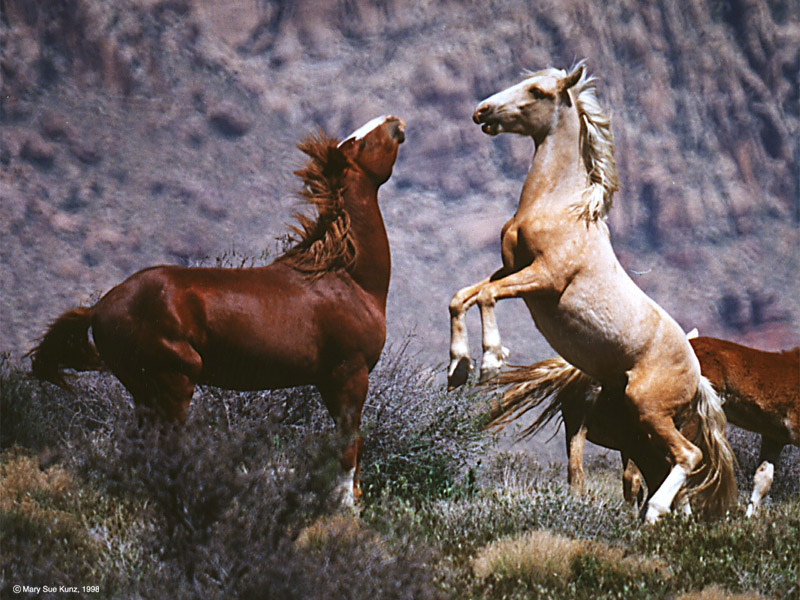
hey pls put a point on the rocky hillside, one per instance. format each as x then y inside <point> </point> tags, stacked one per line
<point>135,132</point>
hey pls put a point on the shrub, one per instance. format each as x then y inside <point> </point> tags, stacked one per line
<point>738,553</point>
<point>38,415</point>
<point>420,440</point>
<point>43,515</point>
<point>232,493</point>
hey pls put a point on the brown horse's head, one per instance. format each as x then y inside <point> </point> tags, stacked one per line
<point>373,147</point>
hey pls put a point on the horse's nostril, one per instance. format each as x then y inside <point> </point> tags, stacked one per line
<point>480,113</point>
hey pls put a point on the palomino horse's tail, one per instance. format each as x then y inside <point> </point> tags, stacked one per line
<point>66,345</point>
<point>713,485</point>
<point>552,379</point>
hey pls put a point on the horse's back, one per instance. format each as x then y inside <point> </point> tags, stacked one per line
<point>254,328</point>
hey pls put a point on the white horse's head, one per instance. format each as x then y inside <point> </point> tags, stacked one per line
<point>535,105</point>
<point>529,107</point>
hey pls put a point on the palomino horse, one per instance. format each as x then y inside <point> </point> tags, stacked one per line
<point>761,392</point>
<point>315,315</point>
<point>557,257</point>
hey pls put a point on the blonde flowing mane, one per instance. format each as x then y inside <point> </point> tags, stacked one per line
<point>323,244</point>
<point>597,149</point>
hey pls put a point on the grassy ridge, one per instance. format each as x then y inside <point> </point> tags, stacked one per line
<point>240,505</point>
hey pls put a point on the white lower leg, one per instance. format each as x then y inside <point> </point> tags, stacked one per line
<point>345,488</point>
<point>762,481</point>
<point>686,507</point>
<point>494,354</point>
<point>661,501</point>
<point>459,342</point>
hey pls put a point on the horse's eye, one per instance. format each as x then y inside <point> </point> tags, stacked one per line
<point>537,93</point>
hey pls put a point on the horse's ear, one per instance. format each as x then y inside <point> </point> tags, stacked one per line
<point>336,161</point>
<point>572,78</point>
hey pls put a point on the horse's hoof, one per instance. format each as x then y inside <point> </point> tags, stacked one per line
<point>488,374</point>
<point>459,373</point>
<point>653,512</point>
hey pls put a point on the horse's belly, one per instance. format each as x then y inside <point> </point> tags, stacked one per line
<point>592,339</point>
<point>252,373</point>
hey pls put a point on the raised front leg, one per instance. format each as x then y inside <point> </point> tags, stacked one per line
<point>460,363</point>
<point>528,280</point>
<point>762,480</point>
<point>494,353</point>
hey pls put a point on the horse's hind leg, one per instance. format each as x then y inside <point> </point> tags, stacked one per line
<point>656,400</point>
<point>632,488</point>
<point>576,438</point>
<point>162,389</point>
<point>762,480</point>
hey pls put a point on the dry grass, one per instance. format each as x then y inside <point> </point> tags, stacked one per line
<point>542,554</point>
<point>31,491</point>
<point>716,592</point>
<point>340,527</point>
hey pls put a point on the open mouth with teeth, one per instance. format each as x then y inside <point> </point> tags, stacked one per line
<point>487,120</point>
<point>492,128</point>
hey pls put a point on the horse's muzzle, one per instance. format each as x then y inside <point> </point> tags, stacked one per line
<point>483,117</point>
<point>481,113</point>
<point>399,130</point>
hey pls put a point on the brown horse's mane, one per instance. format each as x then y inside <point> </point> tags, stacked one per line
<point>323,244</point>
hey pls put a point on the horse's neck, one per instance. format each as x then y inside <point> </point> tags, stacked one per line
<point>557,176</point>
<point>373,262</point>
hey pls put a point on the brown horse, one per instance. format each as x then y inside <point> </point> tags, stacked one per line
<point>761,392</point>
<point>315,315</point>
<point>557,257</point>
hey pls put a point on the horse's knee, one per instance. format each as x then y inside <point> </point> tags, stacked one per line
<point>457,302</point>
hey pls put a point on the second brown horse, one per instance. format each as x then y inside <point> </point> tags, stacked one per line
<point>314,316</point>
<point>761,393</point>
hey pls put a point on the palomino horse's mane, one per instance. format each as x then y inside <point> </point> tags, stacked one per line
<point>597,148</point>
<point>323,244</point>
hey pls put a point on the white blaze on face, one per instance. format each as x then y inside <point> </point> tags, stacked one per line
<point>364,130</point>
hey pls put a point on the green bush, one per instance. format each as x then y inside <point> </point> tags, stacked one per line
<point>419,440</point>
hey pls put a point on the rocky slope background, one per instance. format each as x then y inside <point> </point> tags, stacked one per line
<point>137,132</point>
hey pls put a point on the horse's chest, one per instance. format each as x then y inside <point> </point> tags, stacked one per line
<point>519,246</point>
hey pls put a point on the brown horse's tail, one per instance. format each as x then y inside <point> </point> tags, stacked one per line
<point>66,345</point>
<point>552,379</point>
<point>713,485</point>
